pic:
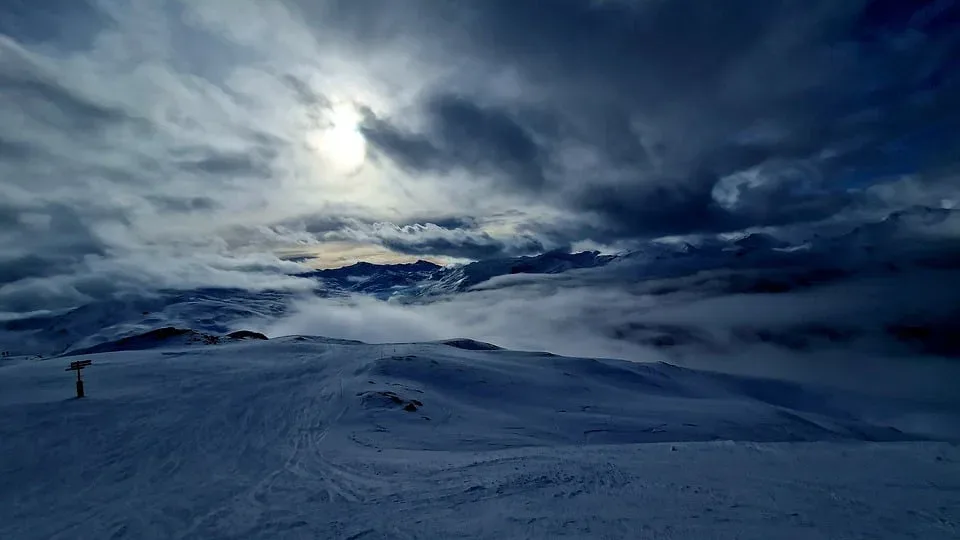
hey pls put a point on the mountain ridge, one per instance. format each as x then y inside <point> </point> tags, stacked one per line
<point>915,238</point>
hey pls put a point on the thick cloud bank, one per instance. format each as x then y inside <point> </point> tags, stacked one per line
<point>885,333</point>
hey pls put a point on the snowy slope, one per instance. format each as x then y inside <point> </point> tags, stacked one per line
<point>456,279</point>
<point>305,437</point>
<point>426,278</point>
<point>382,280</point>
<point>204,310</point>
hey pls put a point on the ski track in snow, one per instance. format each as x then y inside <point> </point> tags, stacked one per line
<point>297,438</point>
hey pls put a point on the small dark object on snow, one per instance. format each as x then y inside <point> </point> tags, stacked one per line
<point>470,345</point>
<point>246,334</point>
<point>387,399</point>
<point>77,366</point>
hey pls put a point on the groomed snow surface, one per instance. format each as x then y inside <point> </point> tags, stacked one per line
<point>304,437</point>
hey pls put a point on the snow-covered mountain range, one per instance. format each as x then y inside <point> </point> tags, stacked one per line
<point>423,278</point>
<point>920,237</point>
<point>755,263</point>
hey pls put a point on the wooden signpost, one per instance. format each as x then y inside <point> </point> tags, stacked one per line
<point>77,366</point>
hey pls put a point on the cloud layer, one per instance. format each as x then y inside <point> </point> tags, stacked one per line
<point>173,144</point>
<point>838,334</point>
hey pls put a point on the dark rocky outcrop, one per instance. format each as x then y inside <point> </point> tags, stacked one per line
<point>386,398</point>
<point>165,336</point>
<point>470,345</point>
<point>246,334</point>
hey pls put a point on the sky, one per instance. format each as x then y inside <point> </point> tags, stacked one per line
<point>178,144</point>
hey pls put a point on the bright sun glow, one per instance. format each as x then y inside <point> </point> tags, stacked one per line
<point>341,145</point>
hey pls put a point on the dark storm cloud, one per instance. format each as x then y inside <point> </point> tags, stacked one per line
<point>487,137</point>
<point>708,203</point>
<point>410,150</point>
<point>484,140</point>
<point>671,98</point>
<point>197,128</point>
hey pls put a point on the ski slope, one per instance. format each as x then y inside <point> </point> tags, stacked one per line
<point>305,437</point>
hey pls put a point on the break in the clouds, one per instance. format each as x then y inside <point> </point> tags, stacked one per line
<point>172,143</point>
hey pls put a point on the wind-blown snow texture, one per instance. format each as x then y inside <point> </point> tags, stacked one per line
<point>304,437</point>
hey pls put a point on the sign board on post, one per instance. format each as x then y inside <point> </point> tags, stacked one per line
<point>77,366</point>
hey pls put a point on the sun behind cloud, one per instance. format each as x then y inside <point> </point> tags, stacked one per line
<point>340,144</point>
